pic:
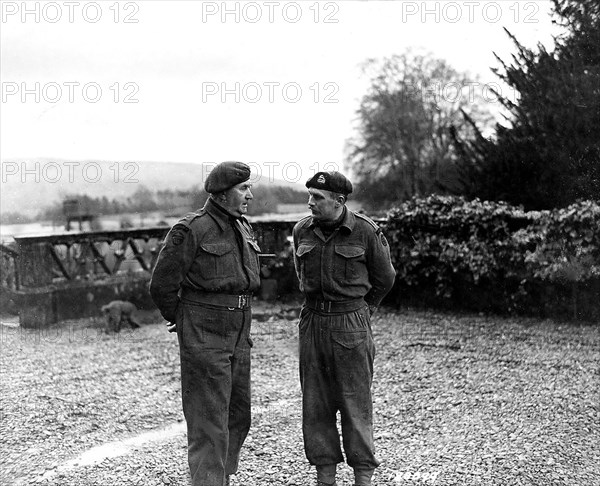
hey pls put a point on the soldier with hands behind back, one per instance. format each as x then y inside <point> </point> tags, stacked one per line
<point>343,262</point>
<point>202,284</point>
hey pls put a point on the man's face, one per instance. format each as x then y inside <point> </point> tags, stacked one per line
<point>237,198</point>
<point>322,204</point>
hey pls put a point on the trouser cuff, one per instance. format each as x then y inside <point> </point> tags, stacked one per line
<point>362,477</point>
<point>326,473</point>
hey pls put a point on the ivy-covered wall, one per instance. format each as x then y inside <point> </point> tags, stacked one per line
<point>489,256</point>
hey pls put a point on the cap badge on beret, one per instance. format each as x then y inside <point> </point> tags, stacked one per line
<point>330,181</point>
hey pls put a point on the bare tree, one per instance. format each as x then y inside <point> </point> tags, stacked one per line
<point>402,146</point>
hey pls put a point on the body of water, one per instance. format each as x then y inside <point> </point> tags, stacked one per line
<point>103,223</point>
<point>113,222</point>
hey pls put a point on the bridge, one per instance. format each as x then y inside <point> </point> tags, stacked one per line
<point>57,277</point>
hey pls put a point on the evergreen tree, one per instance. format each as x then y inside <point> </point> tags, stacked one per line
<point>548,155</point>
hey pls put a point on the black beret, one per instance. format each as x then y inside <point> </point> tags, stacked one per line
<point>226,175</point>
<point>330,181</point>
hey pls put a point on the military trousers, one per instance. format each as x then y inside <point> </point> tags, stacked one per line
<point>214,348</point>
<point>336,373</point>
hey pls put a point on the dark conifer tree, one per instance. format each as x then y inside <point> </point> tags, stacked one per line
<point>548,155</point>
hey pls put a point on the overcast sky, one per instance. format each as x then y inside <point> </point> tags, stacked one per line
<point>193,81</point>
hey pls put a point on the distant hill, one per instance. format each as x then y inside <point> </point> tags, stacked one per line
<point>28,186</point>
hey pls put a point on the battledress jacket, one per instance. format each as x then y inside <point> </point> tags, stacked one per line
<point>206,251</point>
<point>354,262</point>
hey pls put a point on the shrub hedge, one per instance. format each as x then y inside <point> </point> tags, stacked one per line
<point>490,256</point>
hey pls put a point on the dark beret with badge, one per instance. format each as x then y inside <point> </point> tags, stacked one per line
<point>330,181</point>
<point>226,175</point>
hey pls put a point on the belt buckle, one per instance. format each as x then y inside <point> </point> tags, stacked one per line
<point>325,305</point>
<point>242,301</point>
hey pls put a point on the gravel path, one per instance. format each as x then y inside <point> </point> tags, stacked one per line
<point>459,400</point>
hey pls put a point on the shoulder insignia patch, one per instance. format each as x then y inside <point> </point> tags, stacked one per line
<point>384,241</point>
<point>182,227</point>
<point>178,235</point>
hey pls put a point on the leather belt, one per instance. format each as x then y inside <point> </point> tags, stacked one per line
<point>332,307</point>
<point>239,301</point>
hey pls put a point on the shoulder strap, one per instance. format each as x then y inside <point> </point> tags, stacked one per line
<point>185,222</point>
<point>373,224</point>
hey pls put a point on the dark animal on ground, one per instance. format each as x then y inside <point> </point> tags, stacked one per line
<point>117,312</point>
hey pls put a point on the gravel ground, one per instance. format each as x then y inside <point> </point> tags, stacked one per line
<point>459,400</point>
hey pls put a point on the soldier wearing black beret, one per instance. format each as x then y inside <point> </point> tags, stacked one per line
<point>202,284</point>
<point>343,263</point>
<point>226,175</point>
<point>330,181</point>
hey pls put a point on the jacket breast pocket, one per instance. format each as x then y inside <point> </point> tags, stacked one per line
<point>309,262</point>
<point>350,262</point>
<point>217,260</point>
